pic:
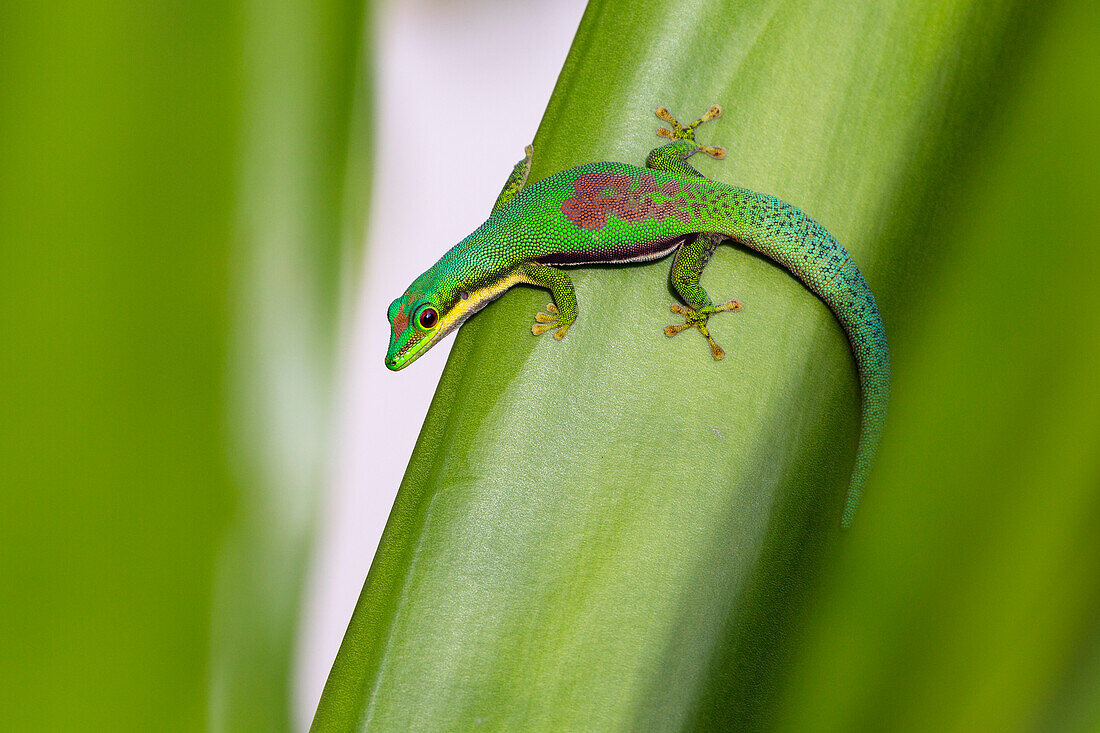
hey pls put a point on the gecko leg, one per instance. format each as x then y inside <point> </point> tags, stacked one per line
<point>517,179</point>
<point>698,319</point>
<point>688,265</point>
<point>673,156</point>
<point>687,132</point>
<point>560,316</point>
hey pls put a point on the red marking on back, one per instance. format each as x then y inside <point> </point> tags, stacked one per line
<point>598,194</point>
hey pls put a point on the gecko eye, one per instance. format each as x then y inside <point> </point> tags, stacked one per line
<point>428,317</point>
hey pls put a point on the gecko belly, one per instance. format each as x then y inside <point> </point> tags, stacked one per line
<point>618,255</point>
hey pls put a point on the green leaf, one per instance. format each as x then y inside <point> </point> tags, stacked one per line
<point>972,599</point>
<point>616,532</point>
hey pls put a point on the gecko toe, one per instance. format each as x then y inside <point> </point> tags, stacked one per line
<point>698,319</point>
<point>548,321</point>
<point>687,132</point>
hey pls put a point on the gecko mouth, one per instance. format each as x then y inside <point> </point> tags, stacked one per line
<point>418,344</point>
<point>402,354</point>
<point>398,361</point>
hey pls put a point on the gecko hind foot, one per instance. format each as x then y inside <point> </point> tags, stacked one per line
<point>548,321</point>
<point>687,132</point>
<point>698,319</point>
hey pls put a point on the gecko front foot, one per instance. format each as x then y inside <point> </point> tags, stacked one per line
<point>698,319</point>
<point>687,132</point>
<point>547,321</point>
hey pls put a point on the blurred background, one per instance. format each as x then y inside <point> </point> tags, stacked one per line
<point>200,443</point>
<point>205,208</point>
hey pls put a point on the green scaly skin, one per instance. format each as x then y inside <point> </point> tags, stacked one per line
<point>617,213</point>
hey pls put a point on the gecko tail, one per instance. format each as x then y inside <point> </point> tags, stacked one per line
<point>853,304</point>
<point>874,378</point>
<point>855,308</point>
<point>790,237</point>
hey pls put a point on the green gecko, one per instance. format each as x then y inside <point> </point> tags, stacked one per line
<point>614,213</point>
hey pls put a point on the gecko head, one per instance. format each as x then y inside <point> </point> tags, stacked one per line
<point>414,324</point>
<point>442,298</point>
<point>420,318</point>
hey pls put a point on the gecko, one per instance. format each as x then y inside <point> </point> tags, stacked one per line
<point>617,213</point>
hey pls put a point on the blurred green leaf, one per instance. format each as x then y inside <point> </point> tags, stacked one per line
<point>615,532</point>
<point>303,165</point>
<point>118,134</point>
<point>136,204</point>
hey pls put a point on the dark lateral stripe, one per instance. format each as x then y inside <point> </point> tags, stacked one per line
<point>641,252</point>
